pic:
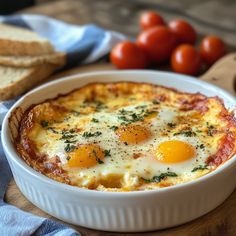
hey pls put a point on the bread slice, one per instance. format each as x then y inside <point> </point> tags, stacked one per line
<point>18,41</point>
<point>57,58</point>
<point>15,81</point>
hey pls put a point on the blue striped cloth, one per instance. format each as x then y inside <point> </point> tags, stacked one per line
<point>83,44</point>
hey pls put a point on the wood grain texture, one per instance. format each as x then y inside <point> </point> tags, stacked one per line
<point>219,222</point>
<point>207,16</point>
<point>223,73</point>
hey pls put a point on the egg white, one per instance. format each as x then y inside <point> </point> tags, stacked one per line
<point>121,161</point>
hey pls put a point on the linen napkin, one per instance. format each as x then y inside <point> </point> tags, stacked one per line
<point>82,44</point>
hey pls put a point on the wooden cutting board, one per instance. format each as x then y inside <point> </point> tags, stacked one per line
<point>220,221</point>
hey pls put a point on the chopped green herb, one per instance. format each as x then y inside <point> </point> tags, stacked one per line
<point>210,130</point>
<point>70,141</point>
<point>171,125</point>
<point>124,118</point>
<point>67,158</point>
<point>95,120</point>
<point>53,130</point>
<point>200,167</point>
<point>141,107</point>
<point>71,131</point>
<point>107,153</point>
<point>160,177</point>
<point>198,131</point>
<point>67,136</point>
<point>147,113</point>
<point>187,133</point>
<point>202,146</point>
<point>156,102</point>
<point>64,131</point>
<point>123,111</point>
<point>97,104</point>
<point>76,113</point>
<point>130,117</point>
<point>66,118</point>
<point>89,134</point>
<point>114,127</point>
<point>100,105</point>
<point>99,161</point>
<point>136,117</point>
<point>44,123</point>
<point>69,147</point>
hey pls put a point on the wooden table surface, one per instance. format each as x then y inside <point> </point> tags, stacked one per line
<point>219,222</point>
<point>209,17</point>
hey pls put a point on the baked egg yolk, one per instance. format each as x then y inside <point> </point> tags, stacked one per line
<point>174,151</point>
<point>86,155</point>
<point>133,134</point>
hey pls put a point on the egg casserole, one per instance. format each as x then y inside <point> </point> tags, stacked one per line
<point>127,136</point>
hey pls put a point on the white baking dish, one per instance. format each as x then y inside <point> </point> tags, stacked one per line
<point>125,211</point>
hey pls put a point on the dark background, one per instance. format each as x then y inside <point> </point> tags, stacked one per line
<point>216,17</point>
<point>9,6</point>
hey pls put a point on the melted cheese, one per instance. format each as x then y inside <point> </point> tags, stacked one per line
<point>127,136</point>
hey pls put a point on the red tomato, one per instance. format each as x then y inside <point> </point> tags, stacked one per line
<point>150,19</point>
<point>186,59</point>
<point>185,33</point>
<point>158,43</point>
<point>127,55</point>
<point>211,49</point>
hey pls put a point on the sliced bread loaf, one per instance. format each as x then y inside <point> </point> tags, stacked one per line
<point>57,58</point>
<point>18,41</point>
<point>15,81</point>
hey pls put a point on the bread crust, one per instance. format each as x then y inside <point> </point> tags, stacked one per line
<point>58,58</point>
<point>34,76</point>
<point>18,48</point>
